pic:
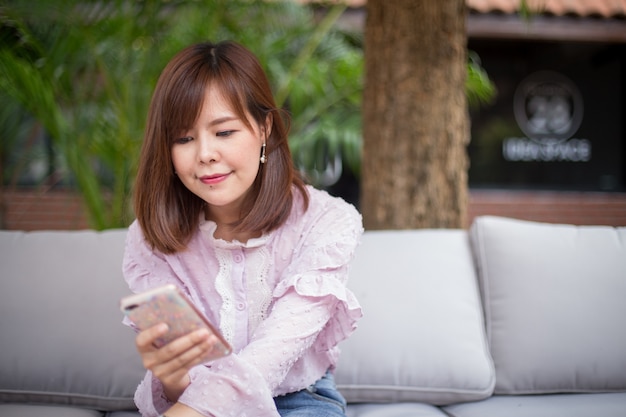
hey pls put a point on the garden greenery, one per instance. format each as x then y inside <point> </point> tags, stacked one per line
<point>76,79</point>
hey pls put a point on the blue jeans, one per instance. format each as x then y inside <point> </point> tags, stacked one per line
<point>318,400</point>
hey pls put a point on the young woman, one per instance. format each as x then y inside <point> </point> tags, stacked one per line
<point>222,214</point>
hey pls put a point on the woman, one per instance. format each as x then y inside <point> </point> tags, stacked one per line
<point>222,214</point>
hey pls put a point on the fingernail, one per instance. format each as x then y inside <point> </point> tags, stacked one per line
<point>202,333</point>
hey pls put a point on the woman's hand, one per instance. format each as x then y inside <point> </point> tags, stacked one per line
<point>172,362</point>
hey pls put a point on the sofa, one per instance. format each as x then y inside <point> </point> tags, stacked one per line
<point>509,318</point>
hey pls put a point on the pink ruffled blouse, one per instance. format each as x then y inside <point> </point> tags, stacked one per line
<point>280,300</point>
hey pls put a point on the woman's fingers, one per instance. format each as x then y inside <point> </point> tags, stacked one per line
<point>182,352</point>
<point>171,363</point>
<point>179,355</point>
<point>145,339</point>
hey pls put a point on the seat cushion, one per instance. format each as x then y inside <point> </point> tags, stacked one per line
<point>555,304</point>
<point>33,410</point>
<point>394,410</point>
<point>422,336</point>
<point>549,405</point>
<point>63,341</point>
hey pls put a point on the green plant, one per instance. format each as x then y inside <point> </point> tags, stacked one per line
<point>479,88</point>
<point>85,72</point>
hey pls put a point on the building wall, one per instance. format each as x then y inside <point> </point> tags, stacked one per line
<point>551,206</point>
<point>52,210</point>
<point>60,210</point>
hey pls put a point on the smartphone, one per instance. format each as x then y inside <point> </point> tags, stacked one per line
<point>167,304</point>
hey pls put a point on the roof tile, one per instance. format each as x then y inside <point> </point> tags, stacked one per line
<point>583,8</point>
<point>603,8</point>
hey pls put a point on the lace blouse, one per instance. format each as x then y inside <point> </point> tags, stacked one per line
<point>280,300</point>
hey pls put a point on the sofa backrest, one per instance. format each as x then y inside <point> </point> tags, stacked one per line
<point>555,304</point>
<point>422,336</point>
<point>553,296</point>
<point>61,339</point>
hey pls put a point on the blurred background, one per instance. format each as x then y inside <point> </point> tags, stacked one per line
<point>546,90</point>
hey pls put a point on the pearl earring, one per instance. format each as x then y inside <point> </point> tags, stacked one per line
<point>263,158</point>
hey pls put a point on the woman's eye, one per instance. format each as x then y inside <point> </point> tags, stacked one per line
<point>183,140</point>
<point>225,133</point>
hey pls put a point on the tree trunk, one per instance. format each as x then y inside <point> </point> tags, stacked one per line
<point>415,118</point>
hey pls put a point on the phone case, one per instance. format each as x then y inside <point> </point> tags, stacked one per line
<point>167,304</point>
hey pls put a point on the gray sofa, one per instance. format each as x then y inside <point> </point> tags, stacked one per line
<point>508,319</point>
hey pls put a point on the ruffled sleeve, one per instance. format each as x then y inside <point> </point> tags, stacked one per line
<point>346,309</point>
<point>321,268</point>
<point>313,310</point>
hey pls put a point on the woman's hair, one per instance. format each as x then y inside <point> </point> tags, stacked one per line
<point>166,210</point>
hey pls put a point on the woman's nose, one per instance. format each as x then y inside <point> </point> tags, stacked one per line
<point>207,152</point>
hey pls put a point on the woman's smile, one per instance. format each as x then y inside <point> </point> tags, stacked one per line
<point>214,179</point>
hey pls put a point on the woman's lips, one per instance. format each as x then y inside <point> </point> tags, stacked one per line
<point>213,179</point>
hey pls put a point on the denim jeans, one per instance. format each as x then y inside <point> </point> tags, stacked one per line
<point>318,400</point>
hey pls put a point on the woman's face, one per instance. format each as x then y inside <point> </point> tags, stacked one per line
<point>217,159</point>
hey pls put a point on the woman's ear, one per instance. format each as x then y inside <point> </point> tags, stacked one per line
<point>267,129</point>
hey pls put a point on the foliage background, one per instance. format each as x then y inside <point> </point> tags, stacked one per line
<point>76,79</point>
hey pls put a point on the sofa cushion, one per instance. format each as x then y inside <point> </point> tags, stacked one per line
<point>394,410</point>
<point>422,335</point>
<point>31,410</point>
<point>555,304</point>
<point>555,405</point>
<point>62,338</point>
<point>40,410</point>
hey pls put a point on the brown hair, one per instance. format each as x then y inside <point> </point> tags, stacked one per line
<point>167,211</point>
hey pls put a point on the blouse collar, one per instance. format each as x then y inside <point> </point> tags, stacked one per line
<point>208,228</point>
